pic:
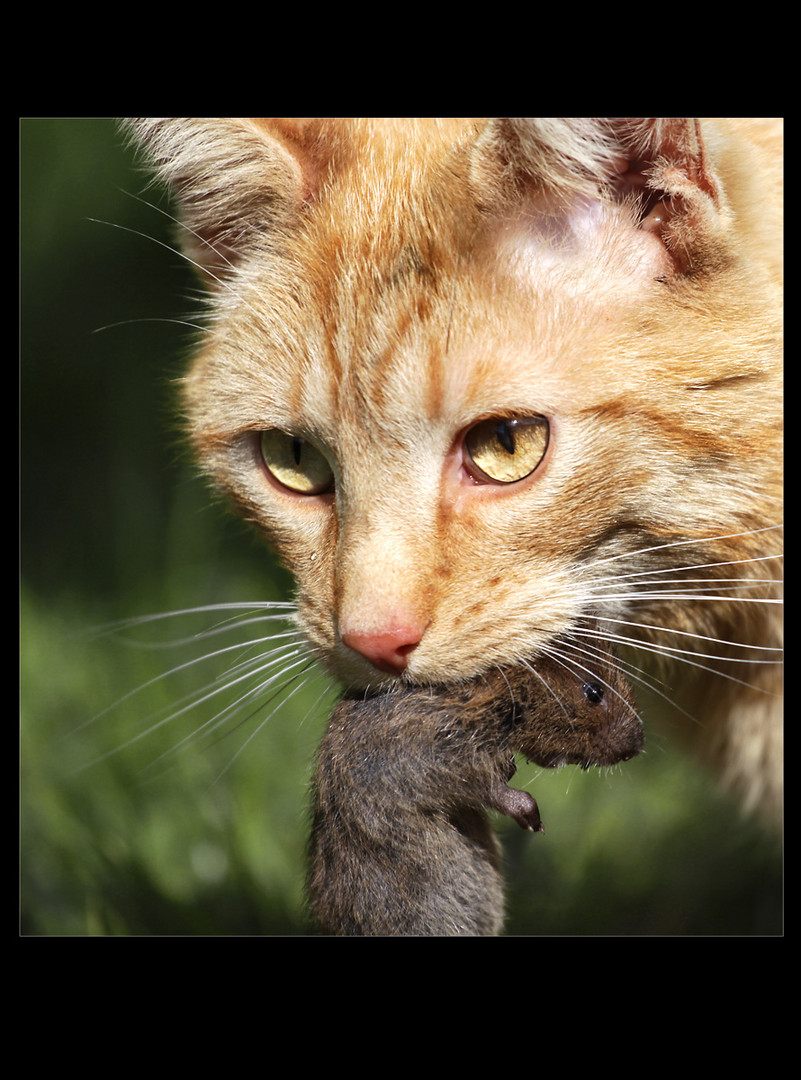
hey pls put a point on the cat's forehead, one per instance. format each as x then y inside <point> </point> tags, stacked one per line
<point>452,350</point>
<point>406,350</point>
<point>451,325</point>
<point>429,382</point>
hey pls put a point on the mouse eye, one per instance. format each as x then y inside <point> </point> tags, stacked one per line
<point>506,450</point>
<point>295,463</point>
<point>593,693</point>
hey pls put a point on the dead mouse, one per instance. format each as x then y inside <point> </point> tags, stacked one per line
<point>400,841</point>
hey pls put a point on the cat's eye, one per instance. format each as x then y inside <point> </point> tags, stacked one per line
<point>505,451</point>
<point>296,463</point>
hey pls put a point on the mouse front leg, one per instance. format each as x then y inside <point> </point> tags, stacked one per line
<point>518,805</point>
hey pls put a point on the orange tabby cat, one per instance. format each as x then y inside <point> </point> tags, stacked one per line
<point>478,380</point>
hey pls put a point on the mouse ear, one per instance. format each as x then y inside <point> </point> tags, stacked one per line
<point>236,180</point>
<point>660,167</point>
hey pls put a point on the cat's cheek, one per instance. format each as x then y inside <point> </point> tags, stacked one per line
<point>456,481</point>
<point>298,527</point>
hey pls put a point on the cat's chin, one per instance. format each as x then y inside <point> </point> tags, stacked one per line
<point>384,682</point>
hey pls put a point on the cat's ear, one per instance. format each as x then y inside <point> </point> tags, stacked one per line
<point>236,180</point>
<point>658,166</point>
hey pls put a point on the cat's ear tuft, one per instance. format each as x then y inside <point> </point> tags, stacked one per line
<point>680,196</point>
<point>660,167</point>
<point>553,154</point>
<point>236,179</point>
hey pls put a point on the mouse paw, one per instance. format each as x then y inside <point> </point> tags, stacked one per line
<point>520,806</point>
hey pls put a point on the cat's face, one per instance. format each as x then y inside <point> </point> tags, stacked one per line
<point>447,420</point>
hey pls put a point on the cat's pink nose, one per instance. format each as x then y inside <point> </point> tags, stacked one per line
<point>387,650</point>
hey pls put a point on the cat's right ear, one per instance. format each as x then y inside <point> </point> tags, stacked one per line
<point>237,180</point>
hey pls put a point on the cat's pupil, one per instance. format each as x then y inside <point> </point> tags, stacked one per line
<point>505,436</point>
<point>593,692</point>
<point>296,447</point>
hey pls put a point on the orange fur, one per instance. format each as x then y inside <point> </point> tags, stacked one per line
<point>381,286</point>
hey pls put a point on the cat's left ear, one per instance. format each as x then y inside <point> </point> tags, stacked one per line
<point>237,180</point>
<point>681,195</point>
<point>660,167</point>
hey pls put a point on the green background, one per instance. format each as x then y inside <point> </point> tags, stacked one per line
<point>114,524</point>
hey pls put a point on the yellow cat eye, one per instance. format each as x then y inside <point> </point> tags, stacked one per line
<point>295,463</point>
<point>504,451</point>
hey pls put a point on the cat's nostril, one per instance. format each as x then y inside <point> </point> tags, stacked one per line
<point>387,650</point>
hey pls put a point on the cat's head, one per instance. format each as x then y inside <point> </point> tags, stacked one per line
<point>454,367</point>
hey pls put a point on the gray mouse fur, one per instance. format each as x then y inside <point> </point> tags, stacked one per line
<point>401,843</point>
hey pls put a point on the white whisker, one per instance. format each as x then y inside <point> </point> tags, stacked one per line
<point>570,664</point>
<point>634,672</point>
<point>210,726</point>
<point>262,723</point>
<point>190,701</point>
<point>683,655</point>
<point>688,633</point>
<point>181,225</point>
<point>186,258</point>
<point>547,686</point>
<point>681,652</point>
<point>686,543</point>
<point>237,646</point>
<point>141,620</point>
<point>137,322</point>
<point>623,582</point>
<point>669,594</point>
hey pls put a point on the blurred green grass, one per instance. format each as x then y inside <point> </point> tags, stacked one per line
<point>115,524</point>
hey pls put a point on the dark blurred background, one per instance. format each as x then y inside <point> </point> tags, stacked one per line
<point>115,524</point>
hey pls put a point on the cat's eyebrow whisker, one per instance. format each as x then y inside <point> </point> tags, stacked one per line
<point>137,322</point>
<point>181,225</point>
<point>186,258</point>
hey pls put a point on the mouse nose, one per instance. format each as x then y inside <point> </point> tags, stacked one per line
<point>387,650</point>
